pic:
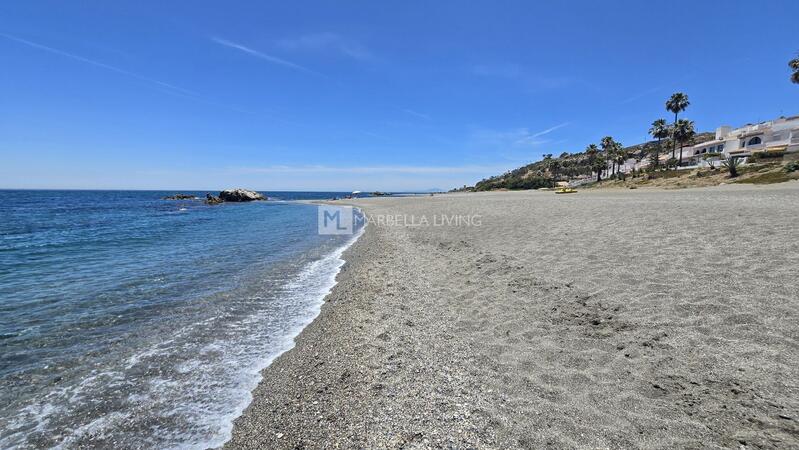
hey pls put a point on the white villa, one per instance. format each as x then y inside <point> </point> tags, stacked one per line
<point>775,136</point>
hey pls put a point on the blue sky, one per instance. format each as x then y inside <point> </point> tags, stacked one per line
<point>364,95</point>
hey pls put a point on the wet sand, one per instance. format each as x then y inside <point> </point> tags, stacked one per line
<point>601,319</point>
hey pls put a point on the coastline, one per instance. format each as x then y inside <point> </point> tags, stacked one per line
<point>290,340</point>
<point>298,364</point>
<point>603,319</point>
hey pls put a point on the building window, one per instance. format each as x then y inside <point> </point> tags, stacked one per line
<point>743,144</point>
<point>755,141</point>
<point>720,148</point>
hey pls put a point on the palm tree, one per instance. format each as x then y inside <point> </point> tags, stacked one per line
<point>794,65</point>
<point>677,103</point>
<point>593,161</point>
<point>660,130</point>
<point>683,132</point>
<point>608,147</point>
<point>621,155</point>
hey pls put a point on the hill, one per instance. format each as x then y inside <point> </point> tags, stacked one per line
<point>567,166</point>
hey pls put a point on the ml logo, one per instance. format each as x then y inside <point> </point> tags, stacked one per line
<point>334,219</point>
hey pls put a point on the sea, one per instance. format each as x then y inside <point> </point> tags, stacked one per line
<point>131,321</point>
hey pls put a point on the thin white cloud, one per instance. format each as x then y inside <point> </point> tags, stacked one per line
<point>416,114</point>
<point>420,170</point>
<point>167,88</point>
<point>326,42</point>
<point>264,56</point>
<point>519,137</point>
<point>549,130</point>
<point>82,59</point>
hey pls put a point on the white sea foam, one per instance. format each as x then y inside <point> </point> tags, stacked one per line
<point>312,284</point>
<point>202,384</point>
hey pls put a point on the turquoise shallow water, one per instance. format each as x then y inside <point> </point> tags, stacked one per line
<point>131,321</point>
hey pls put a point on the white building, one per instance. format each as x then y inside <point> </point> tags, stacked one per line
<point>775,136</point>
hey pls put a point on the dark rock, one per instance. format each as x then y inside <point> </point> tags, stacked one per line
<point>180,197</point>
<point>240,195</point>
<point>212,199</point>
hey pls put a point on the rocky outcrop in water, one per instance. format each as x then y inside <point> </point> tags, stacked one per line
<point>212,199</point>
<point>240,195</point>
<point>180,197</point>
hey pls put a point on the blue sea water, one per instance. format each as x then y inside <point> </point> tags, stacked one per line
<point>128,321</point>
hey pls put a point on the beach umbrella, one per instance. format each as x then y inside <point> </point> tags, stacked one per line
<point>356,192</point>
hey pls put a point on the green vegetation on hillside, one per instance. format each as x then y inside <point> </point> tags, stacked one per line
<point>592,161</point>
<point>607,159</point>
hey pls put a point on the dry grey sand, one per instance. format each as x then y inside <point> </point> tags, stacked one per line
<point>604,319</point>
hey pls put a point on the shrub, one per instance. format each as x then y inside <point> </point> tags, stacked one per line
<point>732,164</point>
<point>759,156</point>
<point>792,166</point>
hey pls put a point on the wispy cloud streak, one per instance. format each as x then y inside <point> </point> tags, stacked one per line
<point>264,56</point>
<point>517,137</point>
<point>549,130</point>
<point>327,42</point>
<point>96,63</point>
<point>416,114</point>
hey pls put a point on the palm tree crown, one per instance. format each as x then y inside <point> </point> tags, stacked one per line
<point>607,143</point>
<point>660,129</point>
<point>677,103</point>
<point>684,130</point>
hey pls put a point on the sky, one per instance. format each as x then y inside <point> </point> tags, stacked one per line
<point>364,95</point>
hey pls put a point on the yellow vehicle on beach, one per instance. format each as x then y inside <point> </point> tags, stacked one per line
<point>565,190</point>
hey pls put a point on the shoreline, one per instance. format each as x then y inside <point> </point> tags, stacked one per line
<point>562,322</point>
<point>301,356</point>
<point>291,338</point>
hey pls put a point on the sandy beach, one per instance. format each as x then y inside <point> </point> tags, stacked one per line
<point>603,319</point>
